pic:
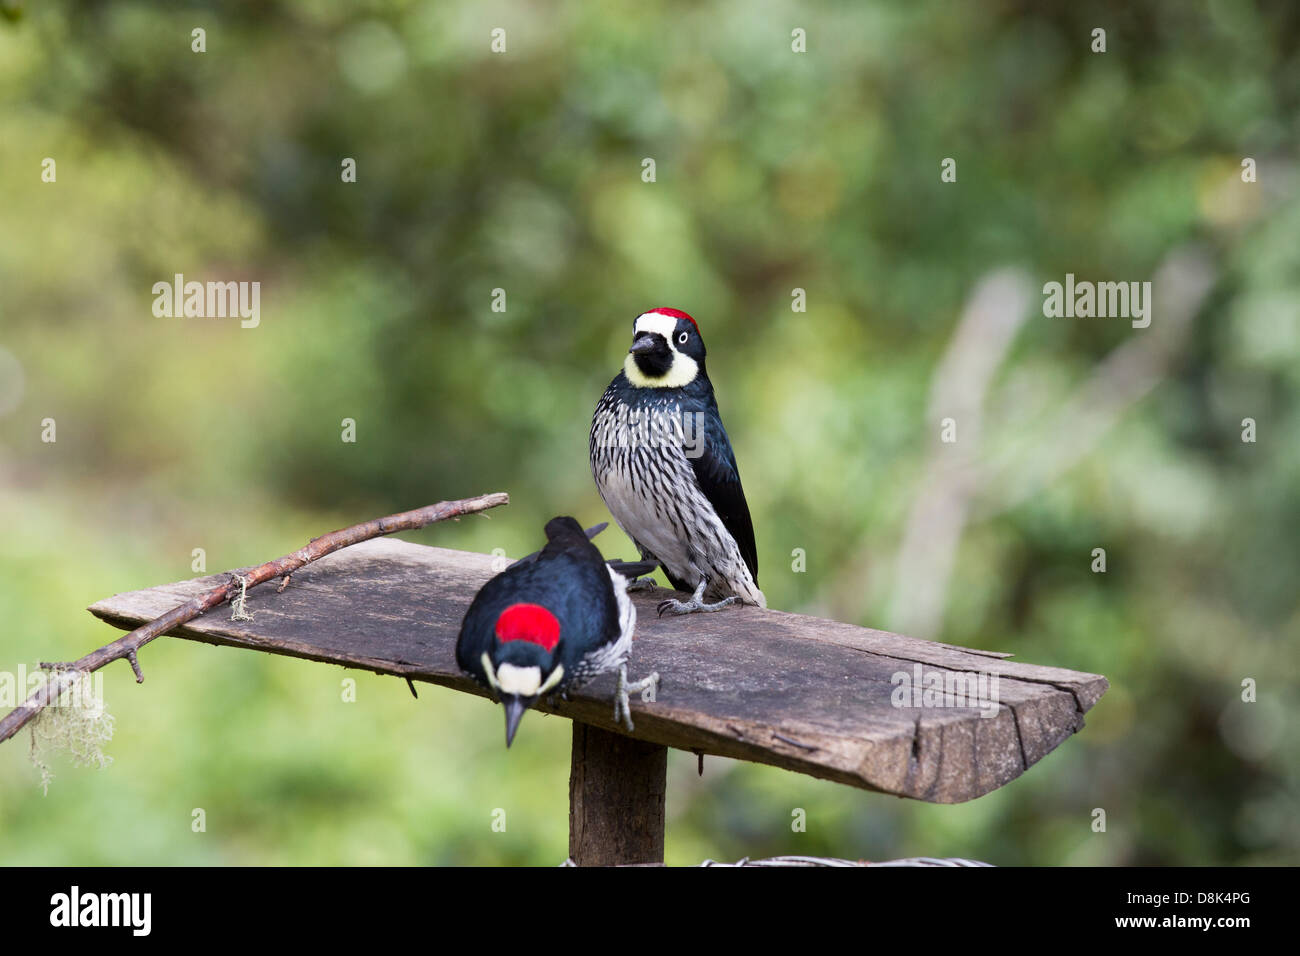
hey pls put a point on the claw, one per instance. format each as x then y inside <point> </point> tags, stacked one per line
<point>693,607</point>
<point>696,603</point>
<point>622,705</point>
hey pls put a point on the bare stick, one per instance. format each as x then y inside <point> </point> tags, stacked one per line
<point>64,676</point>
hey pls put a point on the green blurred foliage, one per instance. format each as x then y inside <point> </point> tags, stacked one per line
<point>775,170</point>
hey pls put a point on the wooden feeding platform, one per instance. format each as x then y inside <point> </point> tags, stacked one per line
<point>806,694</point>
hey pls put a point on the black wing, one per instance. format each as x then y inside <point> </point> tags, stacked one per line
<point>719,478</point>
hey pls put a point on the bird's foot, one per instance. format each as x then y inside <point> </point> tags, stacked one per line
<point>694,605</point>
<point>646,687</point>
<point>642,584</point>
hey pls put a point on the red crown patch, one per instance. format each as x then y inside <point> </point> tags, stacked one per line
<point>529,622</point>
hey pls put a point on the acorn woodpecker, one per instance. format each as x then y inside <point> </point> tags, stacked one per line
<point>664,466</point>
<point>548,624</point>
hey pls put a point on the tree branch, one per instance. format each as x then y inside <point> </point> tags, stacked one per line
<point>64,676</point>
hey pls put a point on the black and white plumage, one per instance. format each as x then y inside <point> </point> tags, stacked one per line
<point>665,468</point>
<point>548,624</point>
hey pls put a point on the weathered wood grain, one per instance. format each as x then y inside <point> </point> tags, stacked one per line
<point>617,790</point>
<point>798,692</point>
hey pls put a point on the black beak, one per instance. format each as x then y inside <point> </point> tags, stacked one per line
<point>515,708</point>
<point>646,342</point>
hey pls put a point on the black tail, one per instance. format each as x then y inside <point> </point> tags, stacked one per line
<point>632,569</point>
<point>562,529</point>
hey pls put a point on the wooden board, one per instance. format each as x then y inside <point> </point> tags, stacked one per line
<point>789,690</point>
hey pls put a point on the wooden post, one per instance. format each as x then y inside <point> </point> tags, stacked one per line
<point>616,799</point>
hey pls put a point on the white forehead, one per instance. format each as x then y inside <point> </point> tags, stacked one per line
<point>665,325</point>
<point>523,681</point>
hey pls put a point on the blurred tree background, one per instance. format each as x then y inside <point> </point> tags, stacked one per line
<point>775,170</point>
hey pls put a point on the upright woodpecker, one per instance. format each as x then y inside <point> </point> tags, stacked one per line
<point>664,466</point>
<point>548,624</point>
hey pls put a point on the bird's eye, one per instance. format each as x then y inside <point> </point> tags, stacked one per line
<point>682,338</point>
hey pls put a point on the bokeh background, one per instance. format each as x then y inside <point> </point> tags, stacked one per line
<point>775,171</point>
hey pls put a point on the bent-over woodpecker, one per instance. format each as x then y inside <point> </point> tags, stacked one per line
<point>664,466</point>
<point>548,624</point>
